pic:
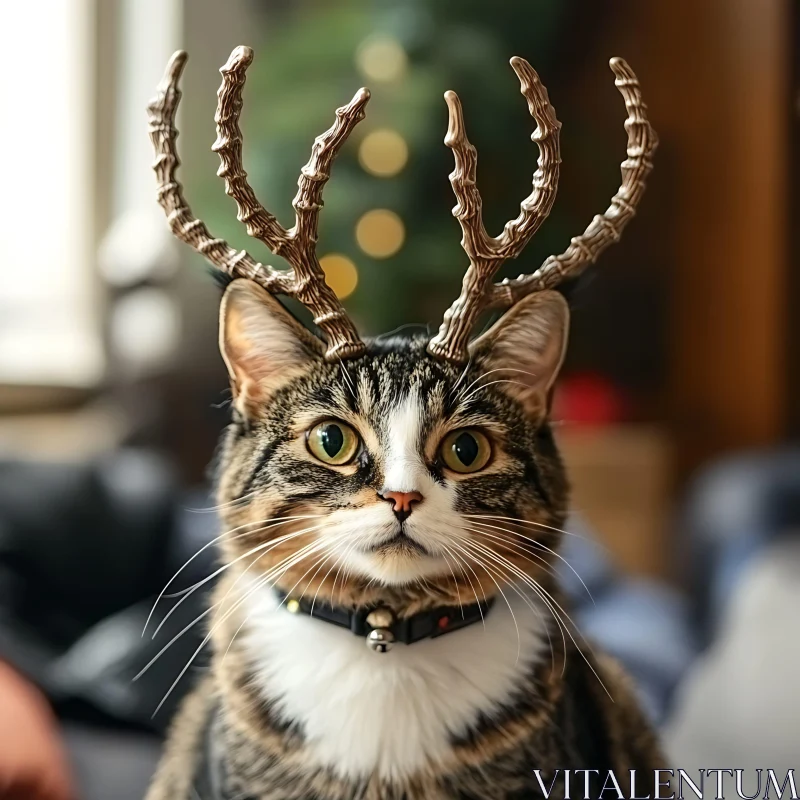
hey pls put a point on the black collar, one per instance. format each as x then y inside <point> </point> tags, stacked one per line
<point>380,625</point>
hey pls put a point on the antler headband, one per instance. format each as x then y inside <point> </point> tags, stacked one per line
<point>305,280</point>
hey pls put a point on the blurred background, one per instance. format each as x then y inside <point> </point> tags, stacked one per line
<point>680,397</point>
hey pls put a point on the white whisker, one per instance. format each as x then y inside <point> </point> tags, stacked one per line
<point>264,546</point>
<point>543,547</point>
<point>266,523</point>
<point>499,589</point>
<point>315,546</point>
<point>549,600</point>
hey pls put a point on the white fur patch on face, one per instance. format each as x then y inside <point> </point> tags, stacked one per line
<point>433,523</point>
<point>365,713</point>
<point>404,469</point>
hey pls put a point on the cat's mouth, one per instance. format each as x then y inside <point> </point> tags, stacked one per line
<point>400,543</point>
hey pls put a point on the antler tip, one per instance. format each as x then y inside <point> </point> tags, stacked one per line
<point>455,127</point>
<point>522,67</point>
<point>240,58</point>
<point>453,102</point>
<point>175,66</point>
<point>619,66</point>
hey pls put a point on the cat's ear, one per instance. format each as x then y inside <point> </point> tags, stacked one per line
<point>262,344</point>
<point>526,347</point>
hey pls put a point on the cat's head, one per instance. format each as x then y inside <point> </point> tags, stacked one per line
<point>395,468</point>
<point>383,463</point>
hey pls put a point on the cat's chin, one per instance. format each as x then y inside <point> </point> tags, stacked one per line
<point>397,566</point>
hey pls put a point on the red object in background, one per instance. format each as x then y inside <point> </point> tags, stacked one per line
<point>588,398</point>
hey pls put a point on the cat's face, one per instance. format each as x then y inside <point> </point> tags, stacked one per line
<point>393,468</point>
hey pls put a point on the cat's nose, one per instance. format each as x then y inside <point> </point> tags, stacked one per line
<point>403,502</point>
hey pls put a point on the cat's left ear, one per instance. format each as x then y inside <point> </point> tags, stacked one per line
<point>262,344</point>
<point>526,347</point>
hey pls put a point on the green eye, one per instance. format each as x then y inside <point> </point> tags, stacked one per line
<point>466,450</point>
<point>333,442</point>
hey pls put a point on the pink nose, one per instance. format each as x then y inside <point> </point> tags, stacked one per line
<point>403,502</point>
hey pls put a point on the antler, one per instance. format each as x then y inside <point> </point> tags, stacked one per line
<point>305,281</point>
<point>477,295</point>
<point>486,254</point>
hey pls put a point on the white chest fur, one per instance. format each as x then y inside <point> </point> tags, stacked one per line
<point>365,713</point>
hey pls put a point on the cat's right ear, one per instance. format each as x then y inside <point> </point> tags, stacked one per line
<point>262,344</point>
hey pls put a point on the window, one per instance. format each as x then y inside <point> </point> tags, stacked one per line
<point>49,321</point>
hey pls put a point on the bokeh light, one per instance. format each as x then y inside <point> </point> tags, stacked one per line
<point>383,153</point>
<point>341,274</point>
<point>380,233</point>
<point>381,59</point>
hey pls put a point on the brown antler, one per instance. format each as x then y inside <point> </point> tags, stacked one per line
<point>486,254</point>
<point>305,281</point>
<point>451,341</point>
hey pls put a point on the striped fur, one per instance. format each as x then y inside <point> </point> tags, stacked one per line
<point>302,709</point>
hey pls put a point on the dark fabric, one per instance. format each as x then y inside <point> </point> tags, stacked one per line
<point>84,551</point>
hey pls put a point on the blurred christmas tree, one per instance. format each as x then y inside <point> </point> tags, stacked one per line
<point>387,238</point>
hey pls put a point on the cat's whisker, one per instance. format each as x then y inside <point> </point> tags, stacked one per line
<point>264,546</point>
<point>538,612</point>
<point>526,550</point>
<point>489,372</point>
<point>543,547</point>
<point>327,574</point>
<point>521,574</point>
<point>535,524</point>
<point>171,642</point>
<point>227,565</point>
<point>181,633</point>
<point>455,585</point>
<point>502,568</point>
<point>348,549</point>
<point>472,394</point>
<point>460,377</point>
<point>382,336</point>
<point>267,523</point>
<point>221,506</point>
<point>502,594</point>
<point>322,582</point>
<point>321,561</point>
<point>548,599</point>
<point>527,601</point>
<point>347,379</point>
<point>327,553</point>
<point>283,561</point>
<point>294,559</point>
<point>462,564</point>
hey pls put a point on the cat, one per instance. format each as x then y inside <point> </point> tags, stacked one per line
<point>388,624</point>
<point>296,708</point>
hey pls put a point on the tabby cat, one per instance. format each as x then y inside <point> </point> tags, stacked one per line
<point>388,625</point>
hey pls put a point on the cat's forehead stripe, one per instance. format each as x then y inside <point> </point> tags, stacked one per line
<point>403,431</point>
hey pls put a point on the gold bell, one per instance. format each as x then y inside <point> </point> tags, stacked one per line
<point>381,638</point>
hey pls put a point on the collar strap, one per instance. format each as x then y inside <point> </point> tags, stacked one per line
<point>380,625</point>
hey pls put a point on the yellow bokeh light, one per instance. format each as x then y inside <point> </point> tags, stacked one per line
<point>381,59</point>
<point>380,233</point>
<point>340,274</point>
<point>383,153</point>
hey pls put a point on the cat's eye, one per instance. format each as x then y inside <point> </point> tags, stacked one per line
<point>333,442</point>
<point>466,450</point>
